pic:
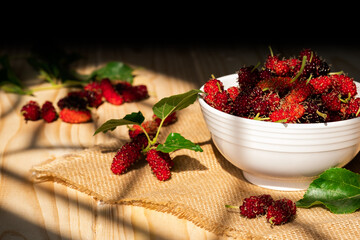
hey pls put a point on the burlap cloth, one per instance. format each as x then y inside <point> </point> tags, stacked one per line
<point>200,185</point>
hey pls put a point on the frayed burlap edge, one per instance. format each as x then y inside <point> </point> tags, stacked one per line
<point>181,211</point>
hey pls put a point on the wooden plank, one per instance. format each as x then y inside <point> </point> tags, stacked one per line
<point>53,211</point>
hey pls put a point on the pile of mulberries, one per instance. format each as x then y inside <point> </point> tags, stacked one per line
<point>132,151</point>
<point>298,89</point>
<point>32,111</point>
<point>75,107</point>
<point>277,211</point>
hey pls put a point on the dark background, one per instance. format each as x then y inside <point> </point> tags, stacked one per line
<point>220,37</point>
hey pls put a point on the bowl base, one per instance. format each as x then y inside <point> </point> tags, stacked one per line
<point>279,184</point>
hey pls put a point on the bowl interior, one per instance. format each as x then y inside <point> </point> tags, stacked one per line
<point>278,155</point>
<point>231,80</point>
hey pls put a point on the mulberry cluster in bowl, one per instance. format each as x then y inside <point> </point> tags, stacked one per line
<point>283,139</point>
<point>291,90</point>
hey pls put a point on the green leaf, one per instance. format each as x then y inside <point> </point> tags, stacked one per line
<point>133,118</point>
<point>53,63</point>
<point>7,74</point>
<point>168,105</point>
<point>336,188</point>
<point>175,142</point>
<point>114,71</point>
<point>12,88</point>
<point>9,82</point>
<point>137,118</point>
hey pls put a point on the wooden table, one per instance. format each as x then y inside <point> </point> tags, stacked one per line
<point>53,211</point>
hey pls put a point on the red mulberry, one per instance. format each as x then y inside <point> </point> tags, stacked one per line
<point>281,212</point>
<point>48,112</point>
<point>31,111</point>
<point>160,164</point>
<point>128,154</point>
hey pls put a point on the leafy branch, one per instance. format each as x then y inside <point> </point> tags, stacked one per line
<point>9,82</point>
<point>54,66</point>
<point>162,109</point>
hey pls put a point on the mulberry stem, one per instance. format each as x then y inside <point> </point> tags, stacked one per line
<point>153,142</point>
<point>336,73</point>
<point>303,63</point>
<point>323,115</point>
<point>56,86</point>
<point>346,100</point>
<point>357,113</point>
<point>260,118</point>
<point>231,206</point>
<point>311,56</point>
<point>308,80</point>
<point>271,51</point>
<point>148,138</point>
<point>255,67</point>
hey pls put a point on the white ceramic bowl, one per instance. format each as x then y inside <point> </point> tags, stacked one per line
<point>281,156</point>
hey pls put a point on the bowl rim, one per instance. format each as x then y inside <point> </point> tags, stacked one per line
<point>258,123</point>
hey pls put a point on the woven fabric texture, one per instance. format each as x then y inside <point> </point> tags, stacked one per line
<point>200,186</point>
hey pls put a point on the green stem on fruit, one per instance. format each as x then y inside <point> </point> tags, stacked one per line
<point>217,83</point>
<point>303,63</point>
<point>56,86</point>
<point>144,131</point>
<point>153,142</point>
<point>47,77</point>
<point>281,121</point>
<point>148,147</point>
<point>260,118</point>
<point>311,56</point>
<point>357,113</point>
<point>231,206</point>
<point>308,80</point>
<point>336,73</point>
<point>323,115</point>
<point>255,67</point>
<point>271,51</point>
<point>219,87</point>
<point>346,100</point>
<point>271,221</point>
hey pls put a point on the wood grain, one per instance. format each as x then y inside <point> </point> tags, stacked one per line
<point>53,211</point>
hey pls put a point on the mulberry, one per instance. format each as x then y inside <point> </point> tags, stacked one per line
<point>75,116</point>
<point>48,112</point>
<point>128,154</point>
<point>344,84</point>
<point>31,111</point>
<point>110,94</point>
<point>255,205</point>
<point>150,127</point>
<point>321,84</point>
<point>213,86</point>
<point>281,211</point>
<point>160,164</point>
